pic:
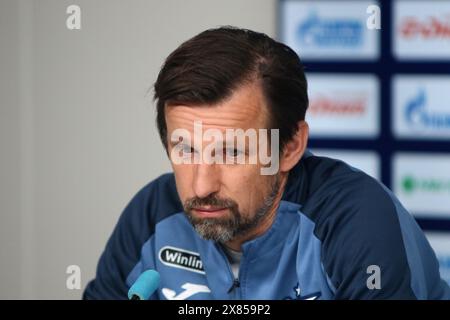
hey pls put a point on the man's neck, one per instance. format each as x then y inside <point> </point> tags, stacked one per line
<point>264,225</point>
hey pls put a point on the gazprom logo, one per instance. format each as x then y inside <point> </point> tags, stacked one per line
<point>330,32</point>
<point>417,115</point>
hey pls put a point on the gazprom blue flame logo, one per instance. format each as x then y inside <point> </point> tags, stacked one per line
<point>330,32</point>
<point>415,109</point>
<point>417,115</point>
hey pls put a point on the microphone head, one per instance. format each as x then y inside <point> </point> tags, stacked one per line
<point>145,285</point>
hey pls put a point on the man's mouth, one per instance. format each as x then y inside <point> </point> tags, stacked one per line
<point>210,212</point>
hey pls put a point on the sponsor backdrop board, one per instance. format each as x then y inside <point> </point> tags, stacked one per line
<point>380,98</point>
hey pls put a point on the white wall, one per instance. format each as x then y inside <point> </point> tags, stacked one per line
<point>9,152</point>
<point>77,129</point>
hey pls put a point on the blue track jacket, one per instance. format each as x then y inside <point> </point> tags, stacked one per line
<point>338,234</point>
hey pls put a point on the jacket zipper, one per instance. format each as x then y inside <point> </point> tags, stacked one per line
<point>235,281</point>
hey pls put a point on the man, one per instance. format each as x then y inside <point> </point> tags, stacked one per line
<point>227,224</point>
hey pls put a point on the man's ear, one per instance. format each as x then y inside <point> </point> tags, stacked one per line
<point>294,149</point>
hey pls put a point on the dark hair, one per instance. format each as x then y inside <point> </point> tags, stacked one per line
<point>207,69</point>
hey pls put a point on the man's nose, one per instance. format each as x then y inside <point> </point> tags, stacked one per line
<point>206,180</point>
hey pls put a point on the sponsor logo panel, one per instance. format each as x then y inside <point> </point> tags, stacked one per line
<point>422,183</point>
<point>421,107</point>
<point>421,31</point>
<point>320,30</point>
<point>343,105</point>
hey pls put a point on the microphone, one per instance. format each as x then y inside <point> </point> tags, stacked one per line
<point>144,286</point>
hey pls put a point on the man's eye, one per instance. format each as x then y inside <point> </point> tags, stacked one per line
<point>233,152</point>
<point>187,149</point>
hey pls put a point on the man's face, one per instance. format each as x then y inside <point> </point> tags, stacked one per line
<point>222,201</point>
